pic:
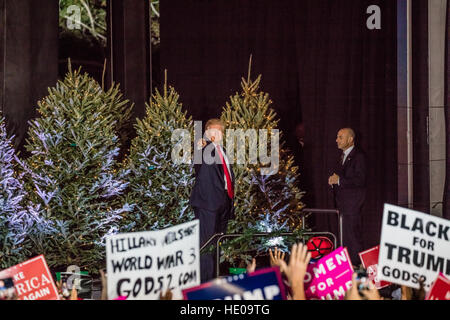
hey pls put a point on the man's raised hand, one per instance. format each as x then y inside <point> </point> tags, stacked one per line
<point>276,257</point>
<point>296,270</point>
<point>251,267</point>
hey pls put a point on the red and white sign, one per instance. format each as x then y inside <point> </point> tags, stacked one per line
<point>369,260</point>
<point>32,280</point>
<point>440,289</point>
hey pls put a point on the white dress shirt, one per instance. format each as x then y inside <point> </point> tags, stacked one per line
<point>346,153</point>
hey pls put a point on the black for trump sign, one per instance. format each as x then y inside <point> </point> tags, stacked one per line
<point>141,265</point>
<point>414,246</point>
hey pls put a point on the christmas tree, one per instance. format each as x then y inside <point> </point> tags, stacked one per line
<point>160,178</point>
<point>71,172</point>
<point>120,111</point>
<point>268,198</point>
<point>16,219</point>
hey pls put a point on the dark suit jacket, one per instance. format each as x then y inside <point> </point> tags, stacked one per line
<point>209,189</point>
<point>351,191</point>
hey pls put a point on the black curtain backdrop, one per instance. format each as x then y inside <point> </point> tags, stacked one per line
<point>320,64</point>
<point>420,105</point>
<point>28,60</point>
<point>347,77</point>
<point>129,49</point>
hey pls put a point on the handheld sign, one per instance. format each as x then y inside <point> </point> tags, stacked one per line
<point>440,289</point>
<point>413,246</point>
<point>32,280</point>
<point>141,265</point>
<point>264,284</point>
<point>369,259</point>
<point>330,277</point>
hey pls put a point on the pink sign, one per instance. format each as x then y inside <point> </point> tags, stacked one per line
<point>330,277</point>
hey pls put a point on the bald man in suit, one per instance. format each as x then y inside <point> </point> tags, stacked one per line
<point>349,187</point>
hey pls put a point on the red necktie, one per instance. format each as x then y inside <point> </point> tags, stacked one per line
<point>227,174</point>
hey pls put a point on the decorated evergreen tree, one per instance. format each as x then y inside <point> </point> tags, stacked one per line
<point>71,173</point>
<point>16,219</point>
<point>160,185</point>
<point>264,203</point>
<point>120,111</point>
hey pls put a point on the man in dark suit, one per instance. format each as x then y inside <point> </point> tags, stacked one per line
<point>349,188</point>
<point>213,192</point>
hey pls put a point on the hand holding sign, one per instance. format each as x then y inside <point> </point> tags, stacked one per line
<point>413,294</point>
<point>352,293</point>
<point>104,295</point>
<point>367,294</point>
<point>167,296</point>
<point>371,293</point>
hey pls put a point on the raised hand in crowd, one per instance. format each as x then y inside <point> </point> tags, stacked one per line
<point>406,293</point>
<point>251,267</point>
<point>74,294</point>
<point>296,269</point>
<point>371,293</point>
<point>352,293</point>
<point>413,294</point>
<point>104,295</point>
<point>63,291</point>
<point>276,257</point>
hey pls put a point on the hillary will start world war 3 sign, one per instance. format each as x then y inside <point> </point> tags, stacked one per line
<point>141,265</point>
<point>413,246</point>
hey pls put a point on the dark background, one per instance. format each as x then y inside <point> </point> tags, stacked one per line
<point>446,207</point>
<point>319,63</point>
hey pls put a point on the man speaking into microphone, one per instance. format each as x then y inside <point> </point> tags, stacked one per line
<point>212,197</point>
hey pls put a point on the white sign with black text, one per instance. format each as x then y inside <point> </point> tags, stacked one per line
<point>413,246</point>
<point>141,265</point>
